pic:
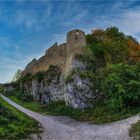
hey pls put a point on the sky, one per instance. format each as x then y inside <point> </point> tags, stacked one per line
<point>28,28</point>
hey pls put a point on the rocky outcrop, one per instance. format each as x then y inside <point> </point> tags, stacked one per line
<point>77,93</point>
<point>57,63</point>
<point>51,87</point>
<point>8,87</point>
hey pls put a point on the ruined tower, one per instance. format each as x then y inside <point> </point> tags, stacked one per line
<point>60,55</point>
<point>76,40</point>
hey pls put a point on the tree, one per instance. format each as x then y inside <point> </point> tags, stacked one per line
<point>120,84</point>
<point>17,75</point>
<point>1,88</point>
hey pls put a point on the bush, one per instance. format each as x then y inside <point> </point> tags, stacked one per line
<point>135,131</point>
<point>59,108</point>
<point>54,72</point>
<point>109,46</point>
<point>107,56</point>
<point>26,78</point>
<point>25,97</point>
<point>40,76</point>
<point>1,88</point>
<point>120,84</point>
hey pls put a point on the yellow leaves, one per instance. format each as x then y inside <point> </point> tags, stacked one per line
<point>134,50</point>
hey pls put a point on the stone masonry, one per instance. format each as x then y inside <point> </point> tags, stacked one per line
<point>60,55</point>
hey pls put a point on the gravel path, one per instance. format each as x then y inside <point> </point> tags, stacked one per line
<point>64,128</point>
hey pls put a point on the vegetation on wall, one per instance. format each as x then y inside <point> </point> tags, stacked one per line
<point>24,82</point>
<point>40,76</point>
<point>26,78</point>
<point>52,73</point>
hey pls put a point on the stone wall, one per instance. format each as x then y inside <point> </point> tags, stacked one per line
<point>53,87</point>
<point>60,55</point>
<point>54,56</point>
<point>76,40</point>
<point>77,92</point>
<point>30,67</point>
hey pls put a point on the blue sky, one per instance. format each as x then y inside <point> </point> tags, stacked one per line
<point>28,28</point>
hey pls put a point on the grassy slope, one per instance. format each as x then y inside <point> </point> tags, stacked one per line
<point>135,131</point>
<point>34,106</point>
<point>18,125</point>
<point>97,116</point>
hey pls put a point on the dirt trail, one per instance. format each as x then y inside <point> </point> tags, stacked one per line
<point>64,128</point>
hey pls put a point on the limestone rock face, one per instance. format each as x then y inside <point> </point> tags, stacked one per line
<point>78,93</point>
<point>53,86</point>
<point>52,91</point>
<point>75,64</point>
<point>75,94</point>
<point>35,90</point>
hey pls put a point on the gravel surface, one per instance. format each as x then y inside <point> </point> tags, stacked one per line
<point>64,128</point>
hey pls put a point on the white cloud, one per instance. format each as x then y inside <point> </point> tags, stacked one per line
<point>59,38</point>
<point>47,13</point>
<point>128,21</point>
<point>79,17</point>
<point>26,18</point>
<point>69,17</point>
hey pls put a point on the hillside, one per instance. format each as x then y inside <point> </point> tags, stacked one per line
<point>81,71</point>
<point>98,82</point>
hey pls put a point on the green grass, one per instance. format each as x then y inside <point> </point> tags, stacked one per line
<point>135,131</point>
<point>34,106</point>
<point>15,124</point>
<point>98,115</point>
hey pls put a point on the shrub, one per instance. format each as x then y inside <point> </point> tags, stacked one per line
<point>106,47</point>
<point>25,97</point>
<point>1,88</point>
<point>120,84</point>
<point>54,72</point>
<point>135,131</point>
<point>27,77</point>
<point>40,76</point>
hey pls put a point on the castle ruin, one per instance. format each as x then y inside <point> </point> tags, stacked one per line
<point>60,55</point>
